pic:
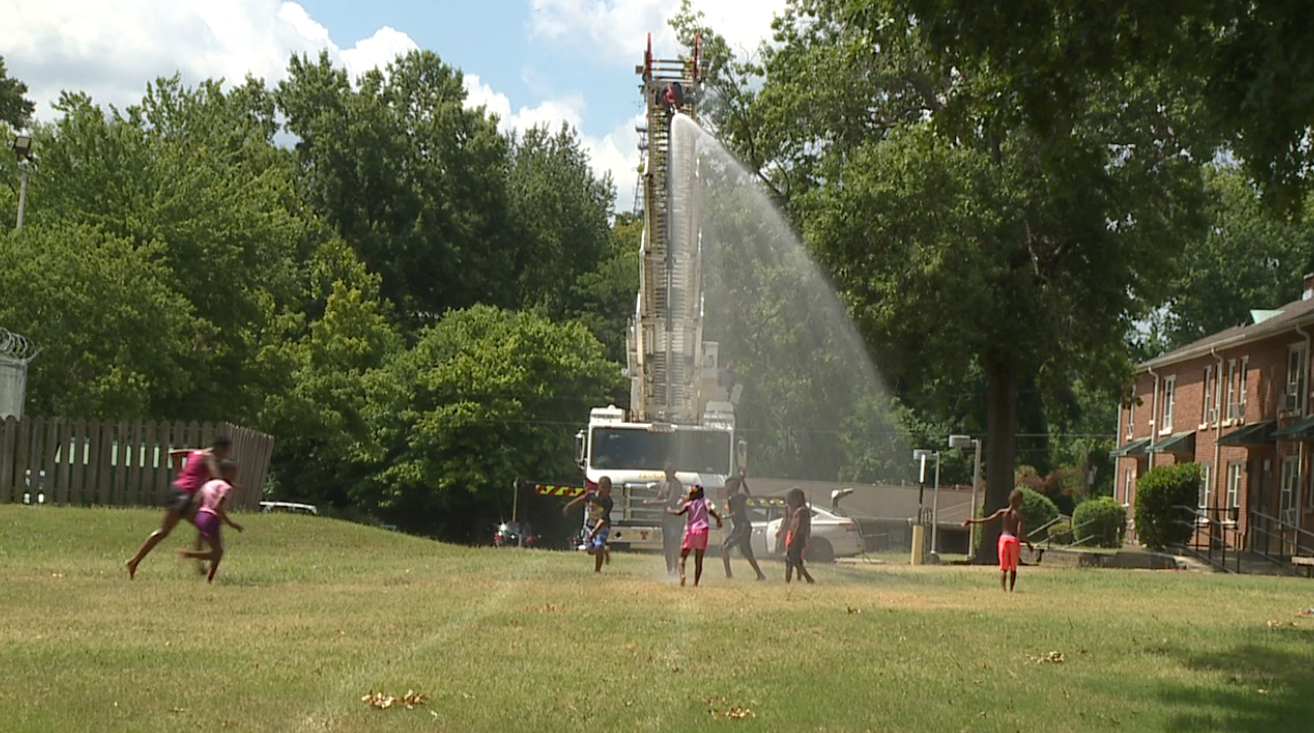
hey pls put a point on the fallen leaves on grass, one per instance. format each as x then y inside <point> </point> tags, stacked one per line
<point>383,701</point>
<point>719,707</point>
<point>1272,624</point>
<point>1051,658</point>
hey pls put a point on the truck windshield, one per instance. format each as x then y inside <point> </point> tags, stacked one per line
<point>637,449</point>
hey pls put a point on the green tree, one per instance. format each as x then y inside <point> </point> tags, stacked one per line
<point>325,443</point>
<point>560,209</point>
<point>15,109</point>
<point>484,397</point>
<point>603,298</point>
<point>1247,62</point>
<point>410,178</point>
<point>116,340</point>
<point>952,231</point>
<point>1248,259</point>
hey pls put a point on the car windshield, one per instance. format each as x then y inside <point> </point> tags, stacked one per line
<point>637,449</point>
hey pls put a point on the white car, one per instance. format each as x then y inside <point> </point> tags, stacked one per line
<point>833,535</point>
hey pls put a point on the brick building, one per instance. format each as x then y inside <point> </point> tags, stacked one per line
<point>1237,403</point>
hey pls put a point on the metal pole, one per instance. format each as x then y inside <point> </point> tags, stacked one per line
<point>935,508</point>
<point>515,510</point>
<point>976,481</point>
<point>22,192</point>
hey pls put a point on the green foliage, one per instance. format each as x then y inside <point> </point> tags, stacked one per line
<point>484,397</point>
<point>560,209</point>
<point>410,178</point>
<point>1160,494</point>
<point>1248,259</point>
<point>15,109</point>
<point>1245,65</point>
<point>116,339</point>
<point>1037,510</point>
<point>1103,519</point>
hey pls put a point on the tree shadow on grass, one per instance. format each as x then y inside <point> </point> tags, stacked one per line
<point>1267,679</point>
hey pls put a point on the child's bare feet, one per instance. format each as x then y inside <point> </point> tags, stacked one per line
<point>682,580</point>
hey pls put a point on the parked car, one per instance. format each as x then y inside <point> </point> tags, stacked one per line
<point>834,534</point>
<point>288,506</point>
<point>507,534</point>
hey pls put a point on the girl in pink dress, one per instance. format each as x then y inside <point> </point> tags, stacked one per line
<point>696,529</point>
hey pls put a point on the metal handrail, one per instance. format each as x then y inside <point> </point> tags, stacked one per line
<point>1075,542</point>
<point>1216,529</point>
<point>1284,530</point>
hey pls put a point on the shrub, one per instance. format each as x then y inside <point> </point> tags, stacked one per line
<point>1158,494</point>
<point>1103,519</point>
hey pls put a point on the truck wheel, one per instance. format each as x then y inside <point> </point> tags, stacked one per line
<point>820,551</point>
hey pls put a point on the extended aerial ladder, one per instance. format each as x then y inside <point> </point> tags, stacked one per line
<point>665,342</point>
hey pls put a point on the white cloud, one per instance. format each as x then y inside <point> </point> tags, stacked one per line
<point>551,112</point>
<point>617,153</point>
<point>110,50</point>
<point>618,29</point>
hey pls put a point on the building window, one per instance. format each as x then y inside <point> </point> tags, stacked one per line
<point>1128,484</point>
<point>1235,476</point>
<point>1131,417</point>
<point>1295,377</point>
<point>1169,393</point>
<point>1232,407</point>
<point>1207,394</point>
<point>1290,480</point>
<point>1241,393</point>
<point>1202,497</point>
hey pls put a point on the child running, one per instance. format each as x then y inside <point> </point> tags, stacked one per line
<point>800,531</point>
<point>202,465</point>
<point>696,529</point>
<point>1010,549</point>
<point>212,514</point>
<point>598,520</point>
<point>741,525</point>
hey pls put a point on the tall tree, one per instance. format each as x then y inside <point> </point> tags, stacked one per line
<point>560,210</point>
<point>1252,58</point>
<point>484,397</point>
<point>1248,259</point>
<point>410,178</point>
<point>15,109</point>
<point>116,340</point>
<point>955,231</point>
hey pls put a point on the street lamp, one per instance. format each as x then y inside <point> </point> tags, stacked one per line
<point>966,441</point>
<point>23,152</point>
<point>923,455</point>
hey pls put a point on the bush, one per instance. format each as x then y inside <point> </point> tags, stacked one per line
<point>1158,493</point>
<point>1103,519</point>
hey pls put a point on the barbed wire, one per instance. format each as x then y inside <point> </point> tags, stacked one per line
<point>17,348</point>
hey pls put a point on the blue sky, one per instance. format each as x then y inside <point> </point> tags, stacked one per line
<point>531,61</point>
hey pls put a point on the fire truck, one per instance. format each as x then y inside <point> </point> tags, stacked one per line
<point>678,411</point>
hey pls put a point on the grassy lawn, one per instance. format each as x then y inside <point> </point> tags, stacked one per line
<point>308,615</point>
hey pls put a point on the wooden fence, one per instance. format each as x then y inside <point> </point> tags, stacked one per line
<point>115,462</point>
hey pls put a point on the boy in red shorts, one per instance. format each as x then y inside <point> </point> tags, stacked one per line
<point>1010,540</point>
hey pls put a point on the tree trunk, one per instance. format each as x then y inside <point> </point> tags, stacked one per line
<point>1001,449</point>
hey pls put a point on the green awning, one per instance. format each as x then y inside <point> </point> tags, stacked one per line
<point>1179,443</point>
<point>1133,448</point>
<point>1260,433</point>
<point>1298,430</point>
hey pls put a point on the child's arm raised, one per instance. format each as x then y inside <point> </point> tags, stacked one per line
<point>565,510</point>
<point>677,512</point>
<point>986,520</point>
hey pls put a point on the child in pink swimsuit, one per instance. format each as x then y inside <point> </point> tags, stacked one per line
<point>696,529</point>
<point>212,514</point>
